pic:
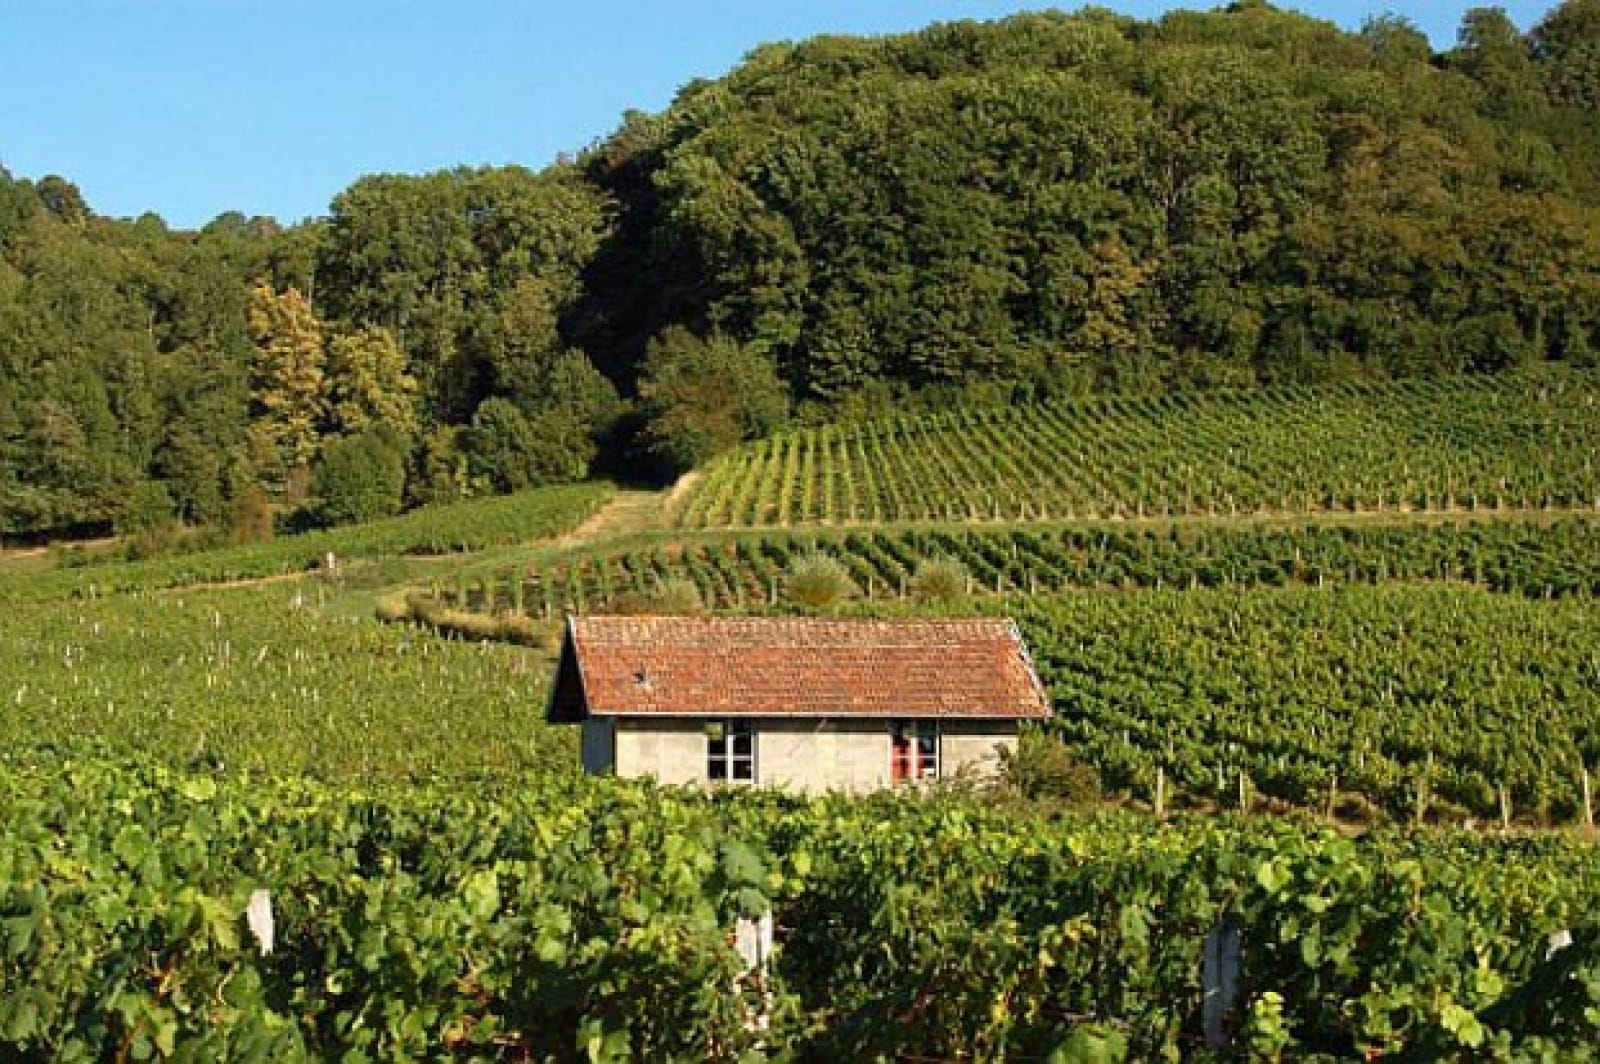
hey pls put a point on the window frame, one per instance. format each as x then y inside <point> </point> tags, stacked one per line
<point>909,762</point>
<point>722,754</point>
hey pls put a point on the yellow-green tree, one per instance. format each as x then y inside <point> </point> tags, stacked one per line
<point>368,385</point>
<point>287,383</point>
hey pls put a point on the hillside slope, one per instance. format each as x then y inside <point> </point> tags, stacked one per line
<point>1520,441</point>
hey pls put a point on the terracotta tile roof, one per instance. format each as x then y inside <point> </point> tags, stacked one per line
<point>687,666</point>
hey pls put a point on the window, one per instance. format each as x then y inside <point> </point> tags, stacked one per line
<point>913,750</point>
<point>731,751</point>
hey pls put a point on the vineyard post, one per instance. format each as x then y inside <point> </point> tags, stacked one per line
<point>1588,800</point>
<point>1333,794</point>
<point>1505,808</point>
<point>1161,793</point>
<point>1244,792</point>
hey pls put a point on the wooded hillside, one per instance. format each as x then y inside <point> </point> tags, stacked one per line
<point>1048,205</point>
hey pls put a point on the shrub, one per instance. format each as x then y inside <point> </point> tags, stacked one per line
<point>512,450</point>
<point>360,478</point>
<point>817,580</point>
<point>677,595</point>
<point>149,506</point>
<point>940,580</point>
<point>250,517</point>
<point>674,595</point>
<point>1041,768</point>
<point>702,396</point>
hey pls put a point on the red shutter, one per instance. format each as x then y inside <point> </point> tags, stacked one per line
<point>900,753</point>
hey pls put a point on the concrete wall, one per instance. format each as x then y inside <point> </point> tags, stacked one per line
<point>671,750</point>
<point>972,748</point>
<point>802,754</point>
<point>822,755</point>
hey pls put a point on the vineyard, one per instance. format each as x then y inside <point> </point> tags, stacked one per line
<point>272,680</point>
<point>1422,701</point>
<point>151,913</point>
<point>1529,441</point>
<point>181,759</point>
<point>475,525</point>
<point>749,571</point>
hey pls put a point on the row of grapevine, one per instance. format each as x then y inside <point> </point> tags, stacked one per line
<point>460,527</point>
<point>159,915</point>
<point>271,679</point>
<point>1421,701</point>
<point>1535,558</point>
<point>1513,442</point>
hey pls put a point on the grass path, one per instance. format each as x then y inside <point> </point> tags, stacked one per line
<point>630,511</point>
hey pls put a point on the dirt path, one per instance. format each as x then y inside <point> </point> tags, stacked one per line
<point>629,511</point>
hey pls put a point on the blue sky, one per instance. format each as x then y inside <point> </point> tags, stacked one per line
<point>193,107</point>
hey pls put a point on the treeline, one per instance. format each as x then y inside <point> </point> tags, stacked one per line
<point>1051,204</point>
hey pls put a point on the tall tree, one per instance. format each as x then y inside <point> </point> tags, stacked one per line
<point>368,386</point>
<point>287,384</point>
<point>1566,45</point>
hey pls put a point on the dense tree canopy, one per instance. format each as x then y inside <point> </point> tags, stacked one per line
<point>1070,202</point>
<point>1042,205</point>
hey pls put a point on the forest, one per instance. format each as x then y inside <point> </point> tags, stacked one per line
<point>1045,207</point>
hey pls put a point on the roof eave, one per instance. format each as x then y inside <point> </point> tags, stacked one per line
<point>898,714</point>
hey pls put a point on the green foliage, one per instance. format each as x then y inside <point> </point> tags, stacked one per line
<point>671,596</point>
<point>368,386</point>
<point>704,396</point>
<point>270,681</point>
<point>816,581</point>
<point>1040,768</point>
<point>1094,203</point>
<point>513,451</point>
<point>570,918</point>
<point>1515,441</point>
<point>469,268</point>
<point>1566,44</point>
<point>1521,554</point>
<point>1387,693</point>
<point>150,506</point>
<point>469,526</point>
<point>387,944</point>
<point>288,383</point>
<point>443,472</point>
<point>942,580</point>
<point>1083,204</point>
<point>359,478</point>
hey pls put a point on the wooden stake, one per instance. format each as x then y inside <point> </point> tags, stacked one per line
<point>1243,790</point>
<point>1161,793</point>
<point>1588,800</point>
<point>1333,795</point>
<point>1505,808</point>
